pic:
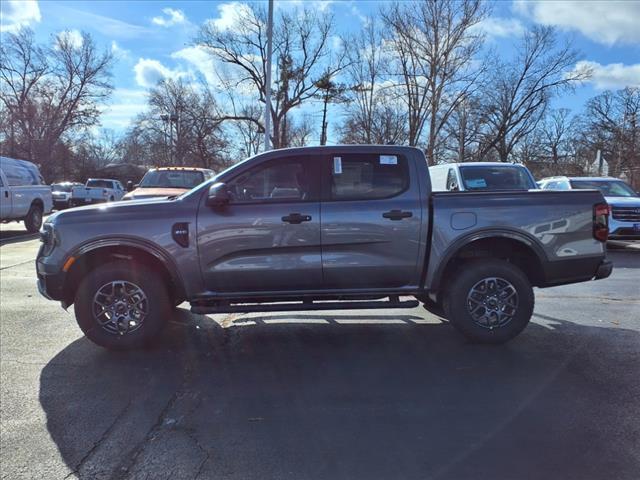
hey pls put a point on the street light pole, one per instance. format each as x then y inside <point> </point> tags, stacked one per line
<point>267,93</point>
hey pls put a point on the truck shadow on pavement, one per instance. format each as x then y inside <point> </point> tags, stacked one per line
<point>333,400</point>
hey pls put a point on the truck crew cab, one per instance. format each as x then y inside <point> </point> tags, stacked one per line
<point>321,228</point>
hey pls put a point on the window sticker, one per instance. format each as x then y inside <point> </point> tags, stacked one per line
<point>337,165</point>
<point>476,183</point>
<point>388,160</point>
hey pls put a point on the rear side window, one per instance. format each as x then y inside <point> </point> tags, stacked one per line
<point>367,176</point>
<point>100,184</point>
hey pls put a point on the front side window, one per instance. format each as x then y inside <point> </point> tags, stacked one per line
<point>367,176</point>
<point>496,178</point>
<point>282,180</point>
<point>609,188</point>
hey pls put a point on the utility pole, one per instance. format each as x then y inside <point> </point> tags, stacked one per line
<point>267,93</point>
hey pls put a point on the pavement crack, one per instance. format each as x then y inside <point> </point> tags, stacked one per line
<point>122,470</point>
<point>102,438</point>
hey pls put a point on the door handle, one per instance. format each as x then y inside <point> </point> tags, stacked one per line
<point>397,214</point>
<point>296,218</point>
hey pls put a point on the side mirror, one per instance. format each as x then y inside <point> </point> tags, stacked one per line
<point>218,195</point>
<point>129,186</point>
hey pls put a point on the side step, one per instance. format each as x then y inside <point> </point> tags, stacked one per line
<point>393,302</point>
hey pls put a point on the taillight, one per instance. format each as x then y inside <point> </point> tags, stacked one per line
<point>601,222</point>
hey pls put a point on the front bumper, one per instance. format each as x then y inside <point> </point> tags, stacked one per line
<point>619,230</point>
<point>50,279</point>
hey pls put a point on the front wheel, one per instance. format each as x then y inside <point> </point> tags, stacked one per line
<point>33,220</point>
<point>489,301</point>
<point>121,306</point>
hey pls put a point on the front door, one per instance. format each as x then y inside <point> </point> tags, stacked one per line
<point>267,238</point>
<point>371,220</point>
<point>5,198</point>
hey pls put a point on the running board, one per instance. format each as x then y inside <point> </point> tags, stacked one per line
<point>301,306</point>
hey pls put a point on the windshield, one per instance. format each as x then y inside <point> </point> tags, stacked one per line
<point>100,183</point>
<point>496,178</point>
<point>171,179</point>
<point>609,188</point>
<point>61,187</point>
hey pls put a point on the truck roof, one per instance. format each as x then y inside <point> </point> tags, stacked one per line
<point>589,179</point>
<point>189,169</point>
<point>479,164</point>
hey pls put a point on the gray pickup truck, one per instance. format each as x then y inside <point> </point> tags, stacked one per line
<point>343,227</point>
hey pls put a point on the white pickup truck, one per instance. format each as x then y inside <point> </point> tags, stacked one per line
<point>23,193</point>
<point>97,190</point>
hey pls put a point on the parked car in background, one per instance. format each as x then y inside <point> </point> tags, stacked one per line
<point>168,182</point>
<point>320,228</point>
<point>61,193</point>
<point>23,193</point>
<point>624,202</point>
<point>97,190</point>
<point>480,176</point>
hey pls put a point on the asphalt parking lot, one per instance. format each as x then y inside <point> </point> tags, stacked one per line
<point>323,395</point>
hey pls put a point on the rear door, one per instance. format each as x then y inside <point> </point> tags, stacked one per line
<point>371,220</point>
<point>268,237</point>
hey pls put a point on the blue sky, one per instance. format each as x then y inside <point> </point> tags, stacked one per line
<point>151,39</point>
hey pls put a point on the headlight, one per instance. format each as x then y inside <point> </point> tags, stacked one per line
<point>49,238</point>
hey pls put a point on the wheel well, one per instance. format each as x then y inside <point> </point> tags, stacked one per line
<point>99,256</point>
<point>37,203</point>
<point>511,250</point>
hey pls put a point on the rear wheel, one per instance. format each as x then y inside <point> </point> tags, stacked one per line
<point>489,301</point>
<point>122,306</point>
<point>33,220</point>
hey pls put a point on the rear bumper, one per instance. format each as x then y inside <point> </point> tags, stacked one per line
<point>576,270</point>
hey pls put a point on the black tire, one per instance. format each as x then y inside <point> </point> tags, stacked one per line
<point>516,317</point>
<point>111,199</point>
<point>33,220</point>
<point>157,303</point>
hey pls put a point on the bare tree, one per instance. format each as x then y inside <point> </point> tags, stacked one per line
<point>435,43</point>
<point>300,48</point>
<point>51,91</point>
<point>613,126</point>
<point>181,127</point>
<point>555,133</point>
<point>519,92</point>
<point>365,73</point>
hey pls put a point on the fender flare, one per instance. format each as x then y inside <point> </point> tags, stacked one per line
<point>133,242</point>
<point>524,238</point>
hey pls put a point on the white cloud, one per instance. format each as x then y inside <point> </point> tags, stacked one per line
<point>230,14</point>
<point>613,75</point>
<point>118,51</point>
<point>198,58</point>
<point>172,17</point>
<point>124,106</point>
<point>149,72</point>
<point>73,37</point>
<point>500,27</point>
<point>108,26</point>
<point>15,14</point>
<point>606,22</point>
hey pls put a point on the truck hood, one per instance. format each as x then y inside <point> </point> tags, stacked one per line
<point>623,201</point>
<point>153,192</point>
<point>116,211</point>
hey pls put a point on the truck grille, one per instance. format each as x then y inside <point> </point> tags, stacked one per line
<point>626,214</point>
